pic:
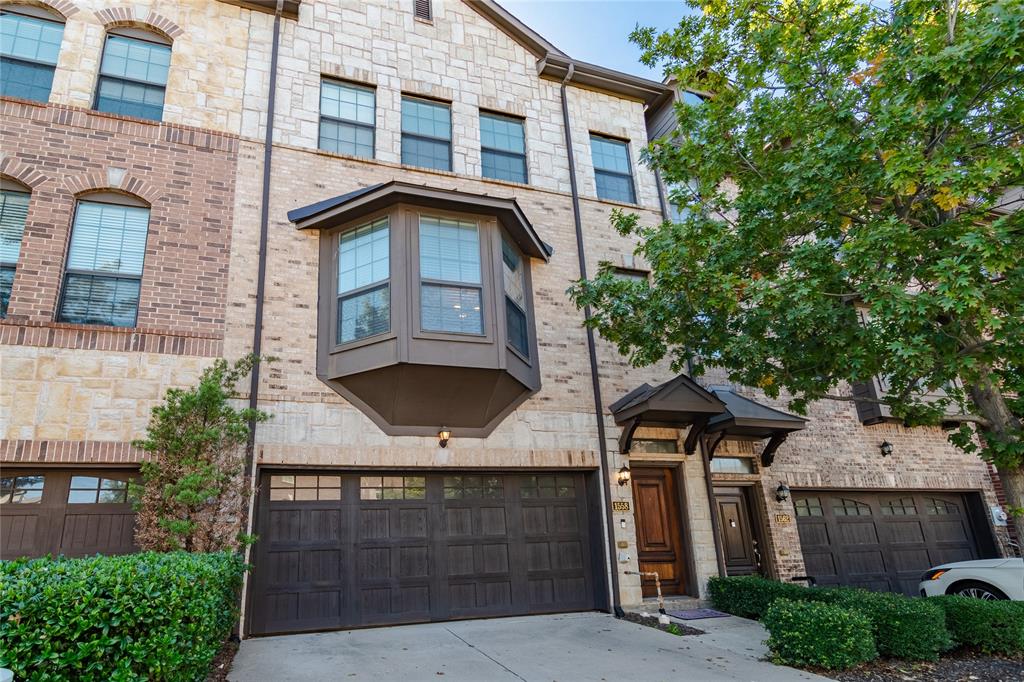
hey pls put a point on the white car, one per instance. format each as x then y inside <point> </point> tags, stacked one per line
<point>983,579</point>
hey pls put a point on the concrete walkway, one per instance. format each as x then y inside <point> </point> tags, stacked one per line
<point>565,648</point>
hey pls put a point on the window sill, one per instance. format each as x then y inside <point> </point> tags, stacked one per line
<point>613,202</point>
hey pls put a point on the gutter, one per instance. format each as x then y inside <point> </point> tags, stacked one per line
<point>605,470</point>
<point>261,287</point>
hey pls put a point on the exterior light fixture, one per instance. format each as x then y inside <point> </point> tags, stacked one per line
<point>442,436</point>
<point>886,448</point>
<point>624,475</point>
<point>782,492</point>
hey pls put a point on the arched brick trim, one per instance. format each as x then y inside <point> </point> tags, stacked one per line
<point>101,181</point>
<point>65,8</point>
<point>16,170</point>
<point>114,17</point>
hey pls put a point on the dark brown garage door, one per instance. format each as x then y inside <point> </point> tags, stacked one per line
<point>59,511</point>
<point>354,550</point>
<point>881,541</point>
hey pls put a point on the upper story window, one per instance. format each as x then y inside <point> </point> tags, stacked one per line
<point>451,293</point>
<point>347,116</point>
<point>514,275</point>
<point>422,10</point>
<point>13,212</point>
<point>364,292</point>
<point>425,306</point>
<point>502,147</point>
<point>133,74</point>
<point>104,265</point>
<point>612,169</point>
<point>29,46</point>
<point>426,133</point>
<point>680,196</point>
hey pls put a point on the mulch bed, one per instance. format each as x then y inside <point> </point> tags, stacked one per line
<point>960,666</point>
<point>221,665</point>
<point>652,622</point>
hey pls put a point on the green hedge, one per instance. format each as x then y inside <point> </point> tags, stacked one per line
<point>141,616</point>
<point>992,626</point>
<point>750,596</point>
<point>818,634</point>
<point>909,628</point>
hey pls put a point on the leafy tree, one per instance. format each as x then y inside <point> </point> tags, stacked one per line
<point>852,212</point>
<point>194,488</point>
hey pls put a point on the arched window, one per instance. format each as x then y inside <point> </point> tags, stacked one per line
<point>104,265</point>
<point>133,74</point>
<point>14,200</point>
<point>30,40</point>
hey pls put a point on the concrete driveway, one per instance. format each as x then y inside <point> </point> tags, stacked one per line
<point>566,647</point>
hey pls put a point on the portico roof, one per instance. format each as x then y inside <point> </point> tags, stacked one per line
<point>746,418</point>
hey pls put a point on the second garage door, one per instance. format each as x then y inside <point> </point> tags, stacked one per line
<point>350,550</point>
<point>881,541</point>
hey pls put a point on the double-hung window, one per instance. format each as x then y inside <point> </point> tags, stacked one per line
<point>426,133</point>
<point>514,275</point>
<point>133,75</point>
<point>612,170</point>
<point>451,292</point>
<point>364,273</point>
<point>29,46</point>
<point>347,114</point>
<point>502,147</point>
<point>13,212</point>
<point>680,196</point>
<point>104,269</point>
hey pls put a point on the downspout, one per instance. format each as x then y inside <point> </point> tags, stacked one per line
<point>713,507</point>
<point>261,287</point>
<point>592,352</point>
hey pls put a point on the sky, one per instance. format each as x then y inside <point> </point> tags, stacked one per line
<point>597,31</point>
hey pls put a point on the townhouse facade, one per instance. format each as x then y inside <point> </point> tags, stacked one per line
<point>391,199</point>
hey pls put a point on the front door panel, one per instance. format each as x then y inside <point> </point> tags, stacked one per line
<point>658,524</point>
<point>738,543</point>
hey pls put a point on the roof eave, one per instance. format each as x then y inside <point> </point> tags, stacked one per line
<point>594,77</point>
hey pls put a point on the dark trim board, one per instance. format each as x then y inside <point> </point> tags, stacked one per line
<point>356,562</point>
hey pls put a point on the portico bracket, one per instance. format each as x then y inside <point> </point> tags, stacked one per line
<point>626,437</point>
<point>768,454</point>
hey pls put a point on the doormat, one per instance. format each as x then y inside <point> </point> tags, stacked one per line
<point>697,614</point>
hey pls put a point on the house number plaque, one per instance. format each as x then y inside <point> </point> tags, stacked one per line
<point>620,506</point>
<point>783,519</point>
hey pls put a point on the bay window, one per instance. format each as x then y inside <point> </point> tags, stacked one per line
<point>364,294</point>
<point>514,280</point>
<point>450,290</point>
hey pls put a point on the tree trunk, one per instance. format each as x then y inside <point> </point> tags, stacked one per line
<point>1002,425</point>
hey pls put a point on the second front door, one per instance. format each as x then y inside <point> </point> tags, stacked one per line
<point>658,525</point>
<point>739,543</point>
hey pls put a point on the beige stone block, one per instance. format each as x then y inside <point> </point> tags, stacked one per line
<point>17,368</point>
<point>138,388</point>
<point>80,365</point>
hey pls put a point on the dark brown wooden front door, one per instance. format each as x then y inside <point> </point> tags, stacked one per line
<point>340,550</point>
<point>658,529</point>
<point>739,542</point>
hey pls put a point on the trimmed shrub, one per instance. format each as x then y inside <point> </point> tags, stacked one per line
<point>140,616</point>
<point>909,628</point>
<point>818,634</point>
<point>992,626</point>
<point>749,596</point>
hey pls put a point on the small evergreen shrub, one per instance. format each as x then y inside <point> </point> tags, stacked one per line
<point>749,596</point>
<point>136,617</point>
<point>910,628</point>
<point>818,634</point>
<point>992,626</point>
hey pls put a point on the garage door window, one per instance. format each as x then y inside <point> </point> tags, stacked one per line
<point>21,490</point>
<point>392,488</point>
<point>309,488</point>
<point>845,507</point>
<point>96,490</point>
<point>548,486</point>
<point>473,487</point>
<point>903,506</point>
<point>808,506</point>
<point>937,507</point>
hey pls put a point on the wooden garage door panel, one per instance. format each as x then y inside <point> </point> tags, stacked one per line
<point>50,525</point>
<point>881,541</point>
<point>467,546</point>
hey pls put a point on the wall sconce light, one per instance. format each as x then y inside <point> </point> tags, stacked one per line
<point>442,436</point>
<point>782,492</point>
<point>624,475</point>
<point>886,448</point>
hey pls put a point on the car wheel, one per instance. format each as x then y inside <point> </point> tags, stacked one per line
<point>977,590</point>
